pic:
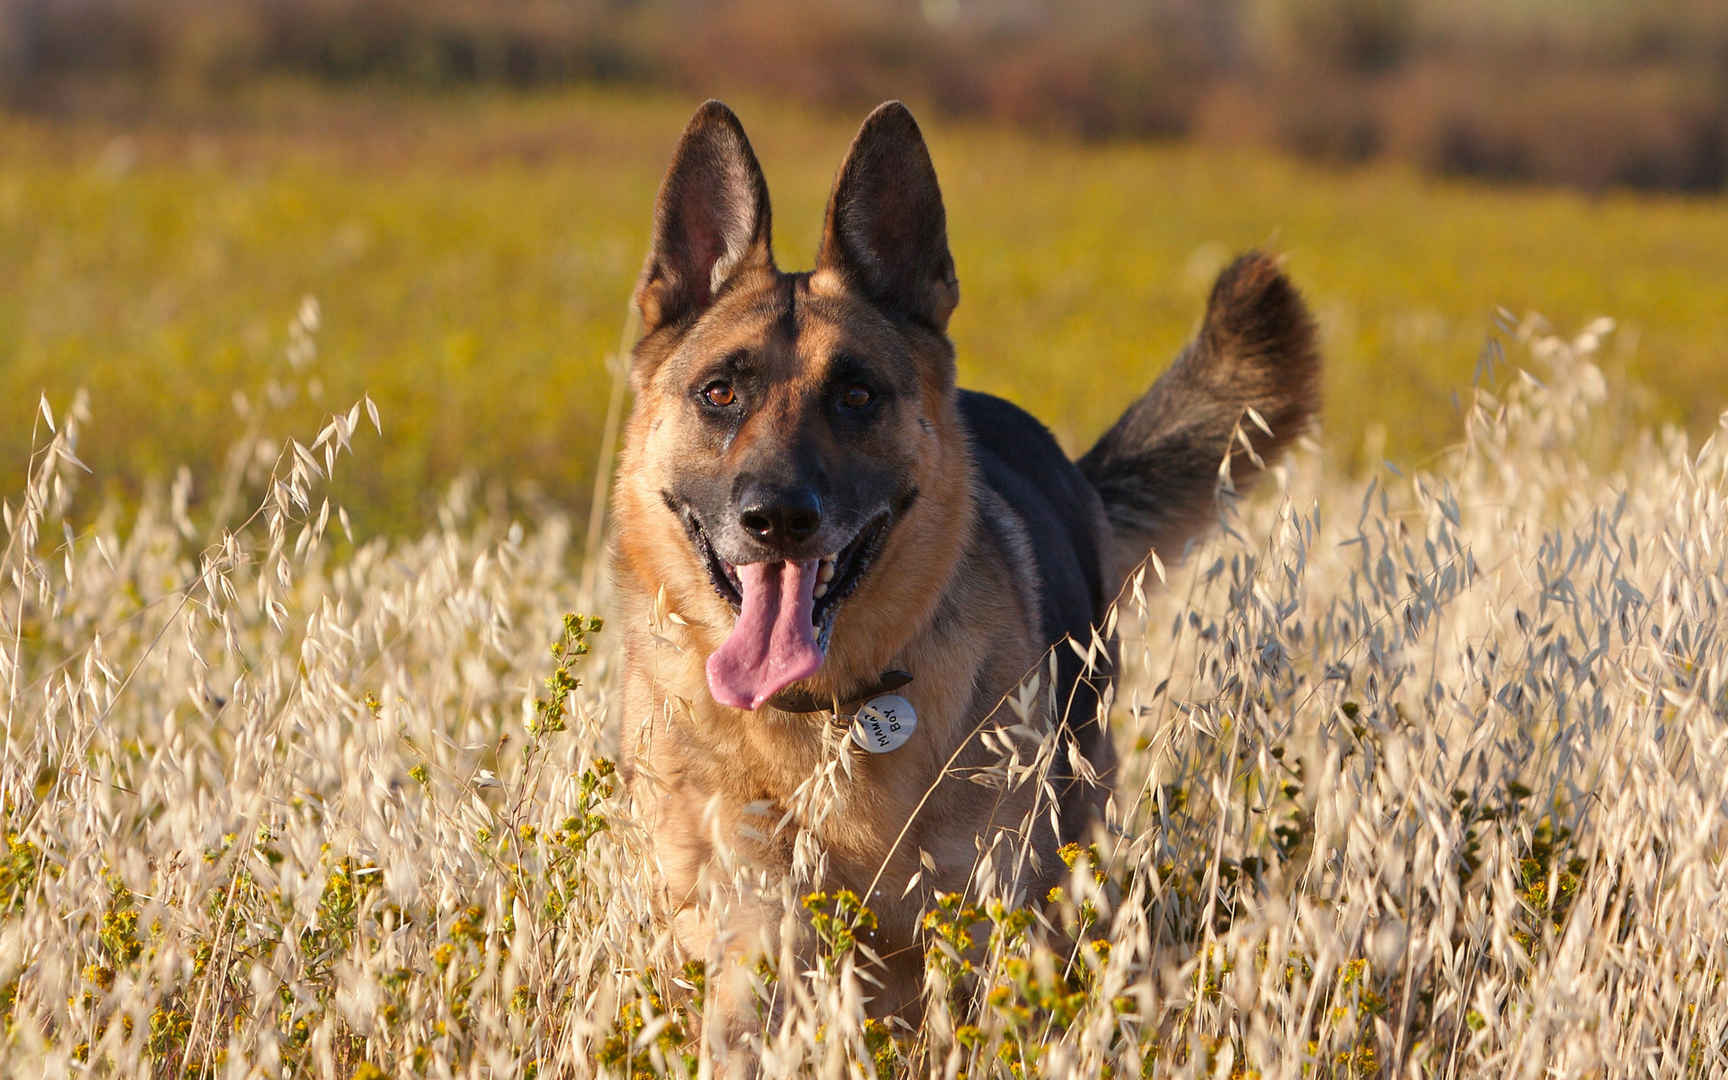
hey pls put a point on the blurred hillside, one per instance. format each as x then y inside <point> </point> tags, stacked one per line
<point>473,253</point>
<point>1587,93</point>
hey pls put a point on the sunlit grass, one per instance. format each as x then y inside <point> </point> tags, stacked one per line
<point>1421,775</point>
<point>1421,769</point>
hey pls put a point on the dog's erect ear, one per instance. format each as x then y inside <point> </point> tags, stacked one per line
<point>886,231</point>
<point>710,222</point>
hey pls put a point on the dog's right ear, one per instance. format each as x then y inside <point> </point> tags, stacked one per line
<point>710,223</point>
<point>886,233</point>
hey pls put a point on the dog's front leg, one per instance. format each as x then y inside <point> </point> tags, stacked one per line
<point>737,937</point>
<point>726,908</point>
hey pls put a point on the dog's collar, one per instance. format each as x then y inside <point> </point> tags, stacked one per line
<point>803,701</point>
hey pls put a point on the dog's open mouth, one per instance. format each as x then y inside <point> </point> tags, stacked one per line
<point>785,613</point>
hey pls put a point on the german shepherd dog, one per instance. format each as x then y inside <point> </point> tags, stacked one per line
<point>810,515</point>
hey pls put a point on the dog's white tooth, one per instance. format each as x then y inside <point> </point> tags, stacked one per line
<point>826,574</point>
<point>821,590</point>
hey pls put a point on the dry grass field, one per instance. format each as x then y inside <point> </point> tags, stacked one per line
<point>1424,778</point>
<point>306,767</point>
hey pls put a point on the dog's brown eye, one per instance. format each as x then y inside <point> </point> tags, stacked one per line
<point>719,394</point>
<point>856,396</point>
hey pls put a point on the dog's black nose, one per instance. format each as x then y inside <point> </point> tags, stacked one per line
<point>781,515</point>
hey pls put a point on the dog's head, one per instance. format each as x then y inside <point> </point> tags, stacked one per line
<point>791,431</point>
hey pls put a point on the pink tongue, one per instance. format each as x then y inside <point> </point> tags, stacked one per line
<point>773,644</point>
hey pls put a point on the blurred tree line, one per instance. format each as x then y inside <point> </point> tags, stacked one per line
<point>1591,93</point>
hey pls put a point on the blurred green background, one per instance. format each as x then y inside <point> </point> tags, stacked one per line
<point>466,192</point>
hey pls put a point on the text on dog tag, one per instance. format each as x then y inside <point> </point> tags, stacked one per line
<point>884,724</point>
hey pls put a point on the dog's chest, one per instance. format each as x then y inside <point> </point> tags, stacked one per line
<point>780,773</point>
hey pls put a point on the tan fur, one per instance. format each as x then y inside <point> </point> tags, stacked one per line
<point>707,763</point>
<point>954,596</point>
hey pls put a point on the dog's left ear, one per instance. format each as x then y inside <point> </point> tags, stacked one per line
<point>711,221</point>
<point>886,232</point>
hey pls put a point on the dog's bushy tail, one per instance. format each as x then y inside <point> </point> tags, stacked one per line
<point>1157,468</point>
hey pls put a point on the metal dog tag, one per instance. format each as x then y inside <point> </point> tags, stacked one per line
<point>884,724</point>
